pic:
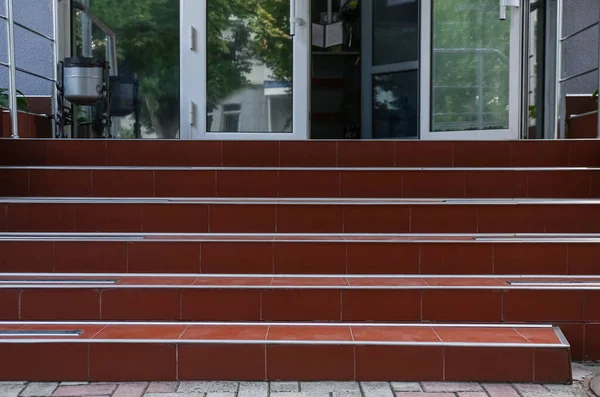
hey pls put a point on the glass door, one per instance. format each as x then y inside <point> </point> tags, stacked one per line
<point>245,68</point>
<point>471,69</point>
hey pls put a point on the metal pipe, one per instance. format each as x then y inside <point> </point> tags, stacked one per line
<point>559,70</point>
<point>598,131</point>
<point>55,57</point>
<point>12,71</point>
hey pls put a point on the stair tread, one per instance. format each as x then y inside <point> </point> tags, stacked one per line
<point>289,333</point>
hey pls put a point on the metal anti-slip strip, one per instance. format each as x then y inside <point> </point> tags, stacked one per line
<point>36,332</point>
<point>540,283</point>
<point>61,281</point>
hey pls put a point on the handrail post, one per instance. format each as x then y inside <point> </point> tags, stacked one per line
<point>12,70</point>
<point>598,117</point>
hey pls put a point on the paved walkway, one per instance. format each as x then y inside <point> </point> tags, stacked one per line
<point>581,374</point>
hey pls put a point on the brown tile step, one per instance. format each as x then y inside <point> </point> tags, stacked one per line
<point>300,182</point>
<point>532,153</point>
<point>300,216</point>
<point>266,298</point>
<point>298,254</point>
<point>245,351</point>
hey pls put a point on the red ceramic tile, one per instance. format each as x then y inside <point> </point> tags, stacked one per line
<point>382,258</point>
<point>381,305</point>
<point>539,153</point>
<point>189,183</point>
<point>558,184</point>
<point>27,256</point>
<point>371,184</point>
<point>90,257</point>
<point>433,184</point>
<point>482,154</point>
<point>382,363</point>
<point>9,304</point>
<point>572,218</point>
<point>60,183</point>
<point>175,218</point>
<point>310,219</point>
<point>163,257</point>
<point>120,332</point>
<point>366,153</point>
<point>174,153</point>
<point>238,183</point>
<point>512,219</point>
<point>308,154</point>
<point>321,184</point>
<point>14,183</point>
<point>309,362</point>
<point>544,305</point>
<point>377,219</point>
<point>118,362</point>
<point>219,332</point>
<point>310,258</point>
<point>424,154</point>
<point>60,304</point>
<point>233,281</point>
<point>552,366</point>
<point>140,304</point>
<point>108,218</point>
<point>583,153</point>
<point>309,333</point>
<point>24,152</point>
<point>301,305</point>
<point>583,258</point>
<point>38,361</point>
<point>592,342</point>
<point>500,364</point>
<point>532,258</point>
<point>39,218</point>
<point>386,281</point>
<point>243,218</point>
<point>495,184</point>
<point>220,305</point>
<point>225,362</point>
<point>479,335</point>
<point>443,218</point>
<point>122,183</point>
<point>77,152</point>
<point>539,335</point>
<point>251,154</point>
<point>574,332</point>
<point>595,185</point>
<point>237,257</point>
<point>457,258</point>
<point>462,305</point>
<point>592,306</point>
<point>394,334</point>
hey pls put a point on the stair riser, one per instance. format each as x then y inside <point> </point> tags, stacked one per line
<point>301,304</point>
<point>171,362</point>
<point>294,184</point>
<point>214,257</point>
<point>285,218</point>
<point>301,154</point>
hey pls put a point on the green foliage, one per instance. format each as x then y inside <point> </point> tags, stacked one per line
<point>22,103</point>
<point>595,95</point>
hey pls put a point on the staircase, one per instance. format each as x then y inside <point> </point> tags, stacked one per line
<point>317,260</point>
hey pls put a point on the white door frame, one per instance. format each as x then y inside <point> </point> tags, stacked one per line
<point>514,83</point>
<point>193,77</point>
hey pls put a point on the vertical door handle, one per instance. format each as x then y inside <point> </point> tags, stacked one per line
<point>504,4</point>
<point>292,17</point>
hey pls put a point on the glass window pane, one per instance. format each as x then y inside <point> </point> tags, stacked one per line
<point>395,31</point>
<point>249,66</point>
<point>395,105</point>
<point>470,71</point>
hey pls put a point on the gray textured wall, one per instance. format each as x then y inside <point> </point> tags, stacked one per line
<point>32,52</point>
<point>581,51</point>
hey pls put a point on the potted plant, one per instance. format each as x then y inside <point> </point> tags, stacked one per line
<point>22,103</point>
<point>350,15</point>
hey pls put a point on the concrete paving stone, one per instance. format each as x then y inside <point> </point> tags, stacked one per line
<point>74,383</point>
<point>174,395</point>
<point>39,389</point>
<point>279,387</point>
<point>406,386</point>
<point>207,387</point>
<point>327,387</point>
<point>530,388</point>
<point>554,394</point>
<point>451,387</point>
<point>162,387</point>
<point>300,394</point>
<point>220,394</point>
<point>583,370</point>
<point>472,394</point>
<point>11,389</point>
<point>424,394</point>
<point>253,389</point>
<point>376,389</point>
<point>500,390</point>
<point>574,388</point>
<point>87,390</point>
<point>13,383</point>
<point>595,385</point>
<point>346,394</point>
<point>134,389</point>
